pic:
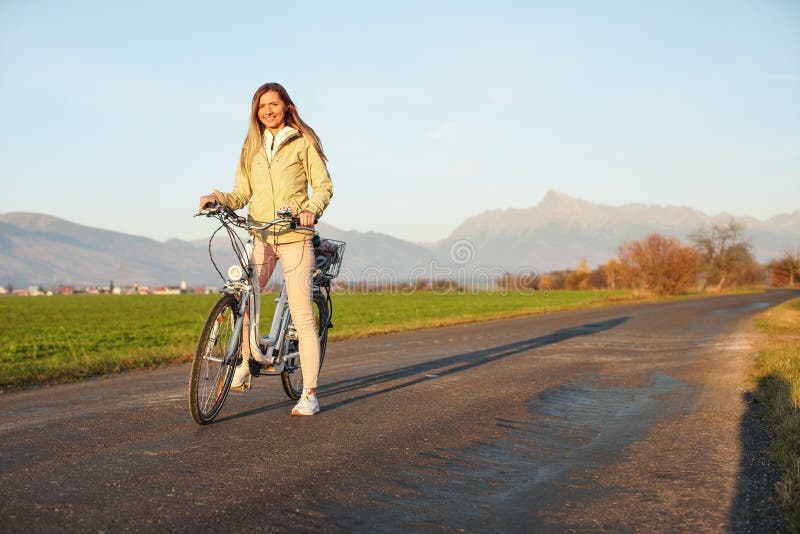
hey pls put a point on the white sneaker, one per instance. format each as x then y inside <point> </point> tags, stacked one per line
<point>242,377</point>
<point>307,405</point>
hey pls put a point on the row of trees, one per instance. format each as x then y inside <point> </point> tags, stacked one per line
<point>716,258</point>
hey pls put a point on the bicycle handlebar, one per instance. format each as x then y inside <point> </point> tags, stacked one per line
<point>215,209</point>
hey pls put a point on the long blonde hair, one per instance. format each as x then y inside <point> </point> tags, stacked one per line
<point>255,133</point>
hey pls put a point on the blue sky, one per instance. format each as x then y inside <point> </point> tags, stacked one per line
<point>120,115</point>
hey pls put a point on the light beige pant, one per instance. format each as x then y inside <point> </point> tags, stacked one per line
<point>297,260</point>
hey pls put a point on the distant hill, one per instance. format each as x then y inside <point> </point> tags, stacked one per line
<point>41,249</point>
<point>554,234</point>
<point>560,230</point>
<point>46,250</point>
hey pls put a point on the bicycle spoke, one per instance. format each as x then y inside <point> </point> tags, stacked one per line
<point>211,370</point>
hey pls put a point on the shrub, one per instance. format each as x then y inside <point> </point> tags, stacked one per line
<point>658,264</point>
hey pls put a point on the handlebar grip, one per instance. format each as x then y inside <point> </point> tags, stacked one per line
<point>295,224</point>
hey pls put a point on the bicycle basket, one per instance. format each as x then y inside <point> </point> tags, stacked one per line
<point>329,254</point>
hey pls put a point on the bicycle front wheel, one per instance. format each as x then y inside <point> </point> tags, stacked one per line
<point>211,375</point>
<point>292,375</point>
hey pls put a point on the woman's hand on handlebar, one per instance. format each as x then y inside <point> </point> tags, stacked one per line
<point>307,218</point>
<point>206,199</point>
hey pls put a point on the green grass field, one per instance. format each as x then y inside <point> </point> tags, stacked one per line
<point>59,339</point>
<point>777,379</point>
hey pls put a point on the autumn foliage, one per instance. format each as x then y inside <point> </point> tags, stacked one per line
<point>579,278</point>
<point>715,258</point>
<point>658,264</point>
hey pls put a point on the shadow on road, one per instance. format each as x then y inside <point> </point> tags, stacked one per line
<point>754,508</point>
<point>442,367</point>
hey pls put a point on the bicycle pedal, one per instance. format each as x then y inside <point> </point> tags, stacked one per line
<point>274,369</point>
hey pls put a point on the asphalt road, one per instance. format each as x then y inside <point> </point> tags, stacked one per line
<point>632,418</point>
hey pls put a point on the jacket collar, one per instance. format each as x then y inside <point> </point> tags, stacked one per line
<point>283,135</point>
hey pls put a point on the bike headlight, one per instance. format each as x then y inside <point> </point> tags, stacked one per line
<point>235,273</point>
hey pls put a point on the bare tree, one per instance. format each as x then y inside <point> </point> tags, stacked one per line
<point>658,264</point>
<point>726,255</point>
<point>785,271</point>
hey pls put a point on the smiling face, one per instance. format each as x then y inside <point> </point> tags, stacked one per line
<point>272,111</point>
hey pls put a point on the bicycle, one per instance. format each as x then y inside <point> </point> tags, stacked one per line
<point>219,346</point>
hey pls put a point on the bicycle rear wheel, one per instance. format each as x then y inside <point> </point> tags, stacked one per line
<point>210,377</point>
<point>292,375</point>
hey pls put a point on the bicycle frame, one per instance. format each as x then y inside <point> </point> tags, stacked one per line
<point>268,350</point>
<point>264,349</point>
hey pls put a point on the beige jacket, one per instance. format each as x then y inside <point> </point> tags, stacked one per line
<point>283,182</point>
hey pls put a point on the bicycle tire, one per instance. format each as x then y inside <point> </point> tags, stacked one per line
<point>292,375</point>
<point>210,379</point>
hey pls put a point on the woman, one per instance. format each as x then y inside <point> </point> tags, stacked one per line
<point>281,157</point>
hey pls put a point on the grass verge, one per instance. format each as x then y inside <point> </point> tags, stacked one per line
<point>777,378</point>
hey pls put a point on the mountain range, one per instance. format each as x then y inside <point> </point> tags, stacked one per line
<point>553,234</point>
